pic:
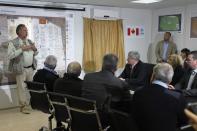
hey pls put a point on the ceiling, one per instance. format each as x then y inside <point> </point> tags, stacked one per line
<point>114,3</point>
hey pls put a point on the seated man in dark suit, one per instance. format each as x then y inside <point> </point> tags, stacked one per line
<point>70,83</point>
<point>47,75</point>
<point>188,84</point>
<point>100,85</point>
<point>156,108</point>
<point>95,84</point>
<point>134,72</point>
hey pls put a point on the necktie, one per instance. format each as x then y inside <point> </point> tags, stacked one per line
<point>191,79</point>
<point>131,71</point>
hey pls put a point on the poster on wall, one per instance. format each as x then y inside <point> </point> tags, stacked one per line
<point>135,31</point>
<point>193,33</point>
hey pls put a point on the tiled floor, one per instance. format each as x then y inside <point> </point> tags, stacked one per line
<point>13,120</point>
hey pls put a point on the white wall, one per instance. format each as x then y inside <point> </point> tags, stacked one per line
<point>191,43</point>
<point>137,17</point>
<point>182,38</point>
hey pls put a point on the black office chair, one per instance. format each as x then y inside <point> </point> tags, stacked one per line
<point>121,121</point>
<point>118,110</point>
<point>149,70</point>
<point>39,99</point>
<point>61,113</point>
<point>84,114</point>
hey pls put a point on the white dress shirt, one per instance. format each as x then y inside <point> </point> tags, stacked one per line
<point>158,82</point>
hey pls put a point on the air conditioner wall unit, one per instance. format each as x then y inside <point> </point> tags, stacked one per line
<point>100,13</point>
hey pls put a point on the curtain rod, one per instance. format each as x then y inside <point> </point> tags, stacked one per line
<point>42,7</point>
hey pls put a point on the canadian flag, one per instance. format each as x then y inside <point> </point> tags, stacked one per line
<point>137,31</point>
<point>133,31</point>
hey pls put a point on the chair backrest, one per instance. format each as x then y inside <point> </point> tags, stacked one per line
<point>58,102</point>
<point>84,114</point>
<point>149,71</point>
<point>116,93</point>
<point>114,96</point>
<point>121,121</point>
<point>39,99</point>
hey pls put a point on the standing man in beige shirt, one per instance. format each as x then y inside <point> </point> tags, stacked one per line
<point>165,48</point>
<point>21,52</point>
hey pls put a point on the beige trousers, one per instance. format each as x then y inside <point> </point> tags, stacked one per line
<point>23,95</point>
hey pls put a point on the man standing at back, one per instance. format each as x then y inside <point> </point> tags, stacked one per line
<point>165,48</point>
<point>21,52</point>
<point>156,108</point>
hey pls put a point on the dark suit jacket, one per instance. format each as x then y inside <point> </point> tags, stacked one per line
<point>138,78</point>
<point>69,84</point>
<point>47,77</point>
<point>158,109</point>
<point>178,74</point>
<point>95,84</point>
<point>186,67</point>
<point>183,85</point>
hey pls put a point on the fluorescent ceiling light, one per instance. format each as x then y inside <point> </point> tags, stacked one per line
<point>146,1</point>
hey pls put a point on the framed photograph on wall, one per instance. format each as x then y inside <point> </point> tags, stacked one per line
<point>193,30</point>
<point>169,23</point>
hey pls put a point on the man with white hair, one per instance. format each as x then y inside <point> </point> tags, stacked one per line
<point>156,108</point>
<point>47,75</point>
<point>134,72</point>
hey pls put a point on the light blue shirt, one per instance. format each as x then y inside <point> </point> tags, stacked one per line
<point>158,82</point>
<point>165,48</point>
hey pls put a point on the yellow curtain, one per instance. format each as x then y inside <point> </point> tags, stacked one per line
<point>102,37</point>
